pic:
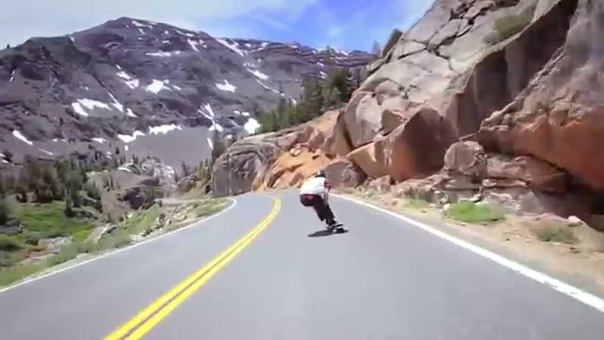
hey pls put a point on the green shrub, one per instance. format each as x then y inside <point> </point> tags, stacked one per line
<point>7,210</point>
<point>550,233</point>
<point>8,243</point>
<point>470,212</point>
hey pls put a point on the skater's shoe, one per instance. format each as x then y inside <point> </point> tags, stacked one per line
<point>331,224</point>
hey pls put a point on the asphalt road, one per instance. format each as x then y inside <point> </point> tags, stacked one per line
<point>383,279</point>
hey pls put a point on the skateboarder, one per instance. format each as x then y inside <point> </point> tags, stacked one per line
<point>315,193</point>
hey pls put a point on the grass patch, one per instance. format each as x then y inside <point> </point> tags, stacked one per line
<point>507,26</point>
<point>470,212</point>
<point>70,252</point>
<point>13,247</point>
<point>194,194</point>
<point>141,220</point>
<point>81,235</point>
<point>114,240</point>
<point>210,207</point>
<point>12,274</point>
<point>417,204</point>
<point>552,233</point>
<point>49,220</point>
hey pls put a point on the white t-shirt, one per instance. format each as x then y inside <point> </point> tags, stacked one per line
<point>315,186</point>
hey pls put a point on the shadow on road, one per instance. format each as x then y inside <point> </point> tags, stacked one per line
<point>321,233</point>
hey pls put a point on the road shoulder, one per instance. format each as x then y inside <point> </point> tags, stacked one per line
<point>556,260</point>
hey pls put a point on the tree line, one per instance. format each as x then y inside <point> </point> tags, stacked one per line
<point>45,181</point>
<point>318,95</point>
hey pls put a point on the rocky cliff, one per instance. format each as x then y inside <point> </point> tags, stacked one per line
<point>146,88</point>
<point>495,98</point>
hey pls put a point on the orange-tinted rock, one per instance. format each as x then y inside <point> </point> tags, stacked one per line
<point>417,148</point>
<point>414,149</point>
<point>290,170</point>
<point>371,159</point>
<point>338,141</point>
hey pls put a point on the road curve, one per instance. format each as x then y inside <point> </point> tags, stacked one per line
<point>382,280</point>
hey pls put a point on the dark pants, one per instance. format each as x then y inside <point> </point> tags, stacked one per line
<point>321,207</point>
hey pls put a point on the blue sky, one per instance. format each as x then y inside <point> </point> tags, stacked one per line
<point>343,24</point>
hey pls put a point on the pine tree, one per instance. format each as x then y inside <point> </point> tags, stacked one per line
<point>376,49</point>
<point>332,97</point>
<point>394,37</point>
<point>218,145</point>
<point>266,122</point>
<point>328,55</point>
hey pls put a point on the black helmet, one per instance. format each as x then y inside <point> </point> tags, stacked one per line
<point>321,173</point>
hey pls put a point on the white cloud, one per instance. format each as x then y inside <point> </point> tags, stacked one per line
<point>33,18</point>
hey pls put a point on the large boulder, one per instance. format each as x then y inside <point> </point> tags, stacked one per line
<point>236,169</point>
<point>142,194</point>
<point>414,149</point>
<point>466,158</point>
<point>341,172</point>
<point>259,161</point>
<point>362,117</point>
<point>338,142</point>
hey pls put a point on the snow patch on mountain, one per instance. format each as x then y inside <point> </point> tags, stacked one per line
<point>163,54</point>
<point>194,44</point>
<point>226,86</point>
<point>232,47</point>
<point>22,138</point>
<point>90,104</point>
<point>130,138</point>
<point>139,24</point>
<point>163,129</point>
<point>258,74</point>
<point>251,126</point>
<point>268,87</point>
<point>157,85</point>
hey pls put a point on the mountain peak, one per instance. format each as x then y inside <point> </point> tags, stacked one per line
<point>148,88</point>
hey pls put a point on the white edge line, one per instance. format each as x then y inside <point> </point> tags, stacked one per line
<point>117,251</point>
<point>564,288</point>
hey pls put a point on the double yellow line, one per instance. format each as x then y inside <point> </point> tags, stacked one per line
<point>143,322</point>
